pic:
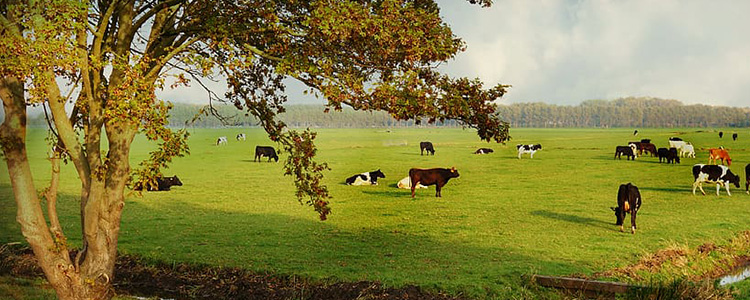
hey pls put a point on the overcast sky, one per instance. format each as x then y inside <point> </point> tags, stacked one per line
<point>565,52</point>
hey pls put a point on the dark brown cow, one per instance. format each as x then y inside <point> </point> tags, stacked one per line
<point>437,176</point>
<point>628,201</point>
<point>747,179</point>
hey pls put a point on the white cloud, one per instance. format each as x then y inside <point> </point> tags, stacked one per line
<point>564,52</point>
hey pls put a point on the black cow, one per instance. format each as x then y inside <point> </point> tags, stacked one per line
<point>483,151</point>
<point>719,174</point>
<point>267,151</point>
<point>366,178</point>
<point>437,176</point>
<point>669,155</point>
<point>625,150</point>
<point>734,136</point>
<point>426,146</point>
<point>645,140</point>
<point>747,179</point>
<point>162,184</point>
<point>628,201</point>
<point>721,134</point>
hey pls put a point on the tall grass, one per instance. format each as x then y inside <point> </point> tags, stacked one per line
<point>503,217</point>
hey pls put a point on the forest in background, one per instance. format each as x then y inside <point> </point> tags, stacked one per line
<point>623,112</point>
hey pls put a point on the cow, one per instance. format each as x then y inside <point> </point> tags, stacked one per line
<point>677,144</point>
<point>437,176</point>
<point>645,140</point>
<point>241,137</point>
<point>687,151</point>
<point>669,155</point>
<point>720,154</point>
<point>747,179</point>
<point>266,151</point>
<point>405,183</point>
<point>162,184</point>
<point>483,151</point>
<point>719,174</point>
<point>638,148</point>
<point>426,146</point>
<point>366,178</point>
<point>674,138</point>
<point>635,132</point>
<point>721,134</point>
<point>649,147</point>
<point>628,151</point>
<point>628,201</point>
<point>222,140</point>
<point>734,136</point>
<point>531,149</point>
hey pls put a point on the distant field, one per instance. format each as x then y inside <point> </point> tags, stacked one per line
<point>502,218</point>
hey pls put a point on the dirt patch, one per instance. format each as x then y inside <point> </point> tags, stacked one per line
<point>135,277</point>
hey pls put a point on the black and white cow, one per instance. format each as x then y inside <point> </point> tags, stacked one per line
<point>426,146</point>
<point>628,201</point>
<point>718,174</point>
<point>628,151</point>
<point>635,132</point>
<point>366,178</point>
<point>483,151</point>
<point>531,149</point>
<point>222,140</point>
<point>241,137</point>
<point>669,155</point>
<point>266,151</point>
<point>747,179</point>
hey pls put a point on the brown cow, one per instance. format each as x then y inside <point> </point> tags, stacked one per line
<point>437,176</point>
<point>719,153</point>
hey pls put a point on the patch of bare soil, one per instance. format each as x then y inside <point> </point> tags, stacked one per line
<point>183,281</point>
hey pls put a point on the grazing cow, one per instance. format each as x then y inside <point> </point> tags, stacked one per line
<point>721,175</point>
<point>405,183</point>
<point>628,151</point>
<point>638,148</point>
<point>241,137</point>
<point>669,155</point>
<point>162,184</point>
<point>366,178</point>
<point>649,147</point>
<point>483,151</point>
<point>687,151</point>
<point>426,146</point>
<point>677,144</point>
<point>734,136</point>
<point>719,153</point>
<point>747,179</point>
<point>531,149</point>
<point>628,201</point>
<point>437,176</point>
<point>222,140</point>
<point>266,151</point>
<point>635,132</point>
<point>721,134</point>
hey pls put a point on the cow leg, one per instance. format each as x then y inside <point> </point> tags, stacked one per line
<point>437,190</point>
<point>632,220</point>
<point>413,184</point>
<point>700,186</point>
<point>726,185</point>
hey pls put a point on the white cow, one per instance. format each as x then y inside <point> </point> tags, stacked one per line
<point>221,141</point>
<point>406,184</point>
<point>677,144</point>
<point>687,151</point>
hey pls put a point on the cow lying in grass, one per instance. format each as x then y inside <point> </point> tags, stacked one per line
<point>437,176</point>
<point>405,183</point>
<point>483,151</point>
<point>366,178</point>
<point>162,184</point>
<point>628,201</point>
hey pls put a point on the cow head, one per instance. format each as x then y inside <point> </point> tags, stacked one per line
<point>173,180</point>
<point>276,157</point>
<point>733,179</point>
<point>454,172</point>
<point>377,174</point>
<point>617,214</point>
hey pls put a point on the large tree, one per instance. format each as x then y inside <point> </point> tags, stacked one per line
<point>108,57</point>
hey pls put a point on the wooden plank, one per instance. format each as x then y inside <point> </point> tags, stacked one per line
<point>602,287</point>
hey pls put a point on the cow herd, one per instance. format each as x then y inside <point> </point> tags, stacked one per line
<point>715,172</point>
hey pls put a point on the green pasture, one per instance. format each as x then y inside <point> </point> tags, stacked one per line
<point>502,218</point>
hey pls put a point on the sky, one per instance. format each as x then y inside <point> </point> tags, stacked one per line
<point>566,52</point>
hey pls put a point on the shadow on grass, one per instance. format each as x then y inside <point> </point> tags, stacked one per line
<point>575,219</point>
<point>667,189</point>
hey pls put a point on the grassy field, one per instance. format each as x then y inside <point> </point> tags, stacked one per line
<point>502,218</point>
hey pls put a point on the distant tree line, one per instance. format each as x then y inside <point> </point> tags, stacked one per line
<point>623,112</point>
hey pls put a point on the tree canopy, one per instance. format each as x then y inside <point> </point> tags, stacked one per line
<point>108,57</point>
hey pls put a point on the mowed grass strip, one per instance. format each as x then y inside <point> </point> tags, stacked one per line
<point>503,217</point>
